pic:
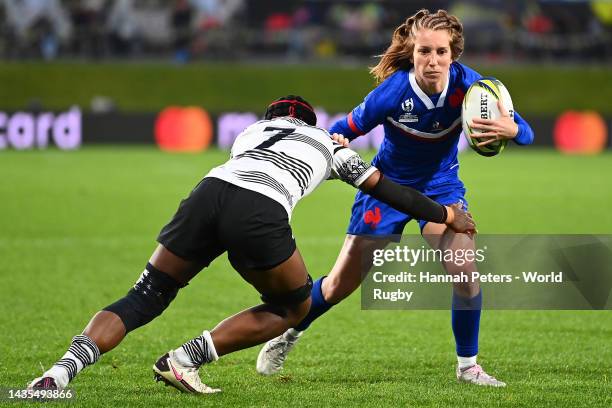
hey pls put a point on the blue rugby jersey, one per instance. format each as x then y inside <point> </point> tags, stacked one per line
<point>421,131</point>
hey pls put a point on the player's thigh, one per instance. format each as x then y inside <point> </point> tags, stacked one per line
<point>255,230</point>
<point>352,265</point>
<point>260,245</point>
<point>289,275</point>
<point>372,226</point>
<point>182,270</point>
<point>439,236</point>
<point>190,241</point>
<point>288,281</point>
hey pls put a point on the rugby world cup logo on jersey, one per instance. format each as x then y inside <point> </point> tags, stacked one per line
<point>407,107</point>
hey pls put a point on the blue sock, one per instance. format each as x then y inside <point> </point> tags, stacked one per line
<point>466,322</point>
<point>318,306</point>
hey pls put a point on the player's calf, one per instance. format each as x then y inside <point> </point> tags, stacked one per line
<point>179,367</point>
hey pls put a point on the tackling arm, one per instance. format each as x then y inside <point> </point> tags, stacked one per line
<point>406,199</point>
<point>349,167</point>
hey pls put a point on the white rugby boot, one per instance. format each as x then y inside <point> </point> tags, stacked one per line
<point>185,379</point>
<point>273,354</point>
<point>476,375</point>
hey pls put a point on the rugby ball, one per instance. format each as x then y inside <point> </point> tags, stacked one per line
<point>480,101</point>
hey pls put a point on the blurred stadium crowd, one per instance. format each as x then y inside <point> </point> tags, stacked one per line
<point>207,29</point>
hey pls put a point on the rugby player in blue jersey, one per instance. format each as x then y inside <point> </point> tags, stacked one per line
<point>418,101</point>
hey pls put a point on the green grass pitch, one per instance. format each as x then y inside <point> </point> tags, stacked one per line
<point>76,229</point>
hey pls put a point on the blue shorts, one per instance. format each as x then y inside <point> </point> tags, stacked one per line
<point>372,217</point>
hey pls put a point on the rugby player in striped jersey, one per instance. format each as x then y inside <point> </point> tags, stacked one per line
<point>242,207</point>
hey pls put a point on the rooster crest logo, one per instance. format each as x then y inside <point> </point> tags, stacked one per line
<point>372,218</point>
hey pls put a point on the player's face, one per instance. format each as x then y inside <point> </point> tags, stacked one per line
<point>432,59</point>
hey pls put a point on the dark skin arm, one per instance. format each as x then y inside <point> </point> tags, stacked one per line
<point>456,218</point>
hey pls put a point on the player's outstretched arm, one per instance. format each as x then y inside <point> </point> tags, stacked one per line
<point>410,201</point>
<point>349,167</point>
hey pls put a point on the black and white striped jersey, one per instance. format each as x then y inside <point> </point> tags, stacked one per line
<point>286,159</point>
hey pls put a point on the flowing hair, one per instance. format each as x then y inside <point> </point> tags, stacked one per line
<point>399,54</point>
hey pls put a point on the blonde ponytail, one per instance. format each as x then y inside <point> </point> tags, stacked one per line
<point>399,54</point>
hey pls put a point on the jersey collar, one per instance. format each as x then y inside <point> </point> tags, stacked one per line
<point>423,96</point>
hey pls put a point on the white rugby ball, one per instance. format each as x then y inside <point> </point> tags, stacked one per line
<point>480,101</point>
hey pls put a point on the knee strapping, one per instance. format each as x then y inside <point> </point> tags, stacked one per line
<point>291,298</point>
<point>149,297</point>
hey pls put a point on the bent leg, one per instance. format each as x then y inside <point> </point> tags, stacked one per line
<point>351,267</point>
<point>168,273</point>
<point>149,297</point>
<point>266,321</point>
<point>285,290</point>
<point>438,236</point>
